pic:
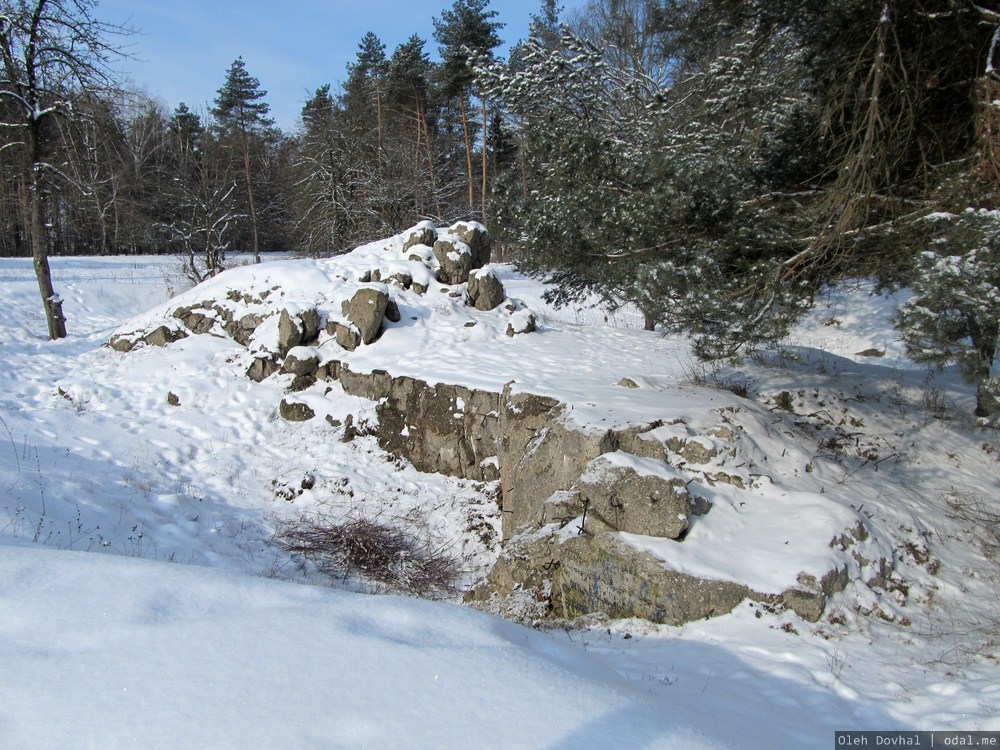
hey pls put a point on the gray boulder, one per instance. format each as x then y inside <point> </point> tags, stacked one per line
<point>402,280</point>
<point>603,574</point>
<point>310,325</point>
<point>392,313</point>
<point>476,237</point>
<point>366,310</point>
<point>242,330</point>
<point>423,233</point>
<point>195,320</point>
<point>522,321</point>
<point>454,261</point>
<point>638,502</point>
<point>301,383</point>
<point>262,368</point>
<point>301,360</point>
<point>122,344</point>
<point>289,333</point>
<point>485,290</point>
<point>346,336</point>
<point>445,429</point>
<point>162,335</point>
<point>295,411</point>
<point>423,254</point>
<point>295,330</point>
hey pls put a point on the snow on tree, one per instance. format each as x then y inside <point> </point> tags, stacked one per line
<point>954,315</point>
<point>202,197</point>
<point>323,193</point>
<point>51,49</point>
<point>638,193</point>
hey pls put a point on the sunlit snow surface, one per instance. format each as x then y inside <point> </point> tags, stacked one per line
<point>102,652</point>
<point>108,651</point>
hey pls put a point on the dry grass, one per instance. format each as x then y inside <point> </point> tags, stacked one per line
<point>401,559</point>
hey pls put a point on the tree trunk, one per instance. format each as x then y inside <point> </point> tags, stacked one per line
<point>378,118</point>
<point>984,340</point>
<point>38,231</point>
<point>468,150</point>
<point>40,255</point>
<point>483,101</point>
<point>521,164</point>
<point>430,161</point>
<point>253,210</point>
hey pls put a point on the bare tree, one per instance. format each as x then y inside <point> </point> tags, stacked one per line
<point>204,218</point>
<point>50,49</point>
<point>202,193</point>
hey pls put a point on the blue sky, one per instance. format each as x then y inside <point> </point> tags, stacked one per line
<point>186,46</point>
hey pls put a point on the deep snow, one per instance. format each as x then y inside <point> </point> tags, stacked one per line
<point>107,651</point>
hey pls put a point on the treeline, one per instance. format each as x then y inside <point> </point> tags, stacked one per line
<point>713,162</point>
<point>399,141</point>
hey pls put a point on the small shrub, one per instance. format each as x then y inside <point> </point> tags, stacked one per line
<point>981,516</point>
<point>398,558</point>
<point>714,375</point>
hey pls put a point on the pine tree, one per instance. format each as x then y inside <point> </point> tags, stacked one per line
<point>717,161</point>
<point>639,193</point>
<point>893,106</point>
<point>545,24</point>
<point>954,315</point>
<point>240,114</point>
<point>187,134</point>
<point>322,191</point>
<point>410,97</point>
<point>364,90</point>
<point>466,31</point>
<point>318,112</point>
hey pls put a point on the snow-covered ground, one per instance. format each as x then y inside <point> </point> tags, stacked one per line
<point>125,649</point>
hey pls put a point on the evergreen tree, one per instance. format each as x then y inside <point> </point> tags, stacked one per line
<point>893,106</point>
<point>642,197</point>
<point>322,184</point>
<point>954,315</point>
<point>186,132</point>
<point>716,161</point>
<point>412,101</point>
<point>240,114</point>
<point>366,116</point>
<point>409,76</point>
<point>545,24</point>
<point>364,91</point>
<point>465,32</point>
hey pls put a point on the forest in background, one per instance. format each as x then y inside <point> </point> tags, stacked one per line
<point>714,162</point>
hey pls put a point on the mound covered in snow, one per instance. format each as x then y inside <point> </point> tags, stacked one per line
<point>297,316</point>
<point>172,453</point>
<point>631,487</point>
